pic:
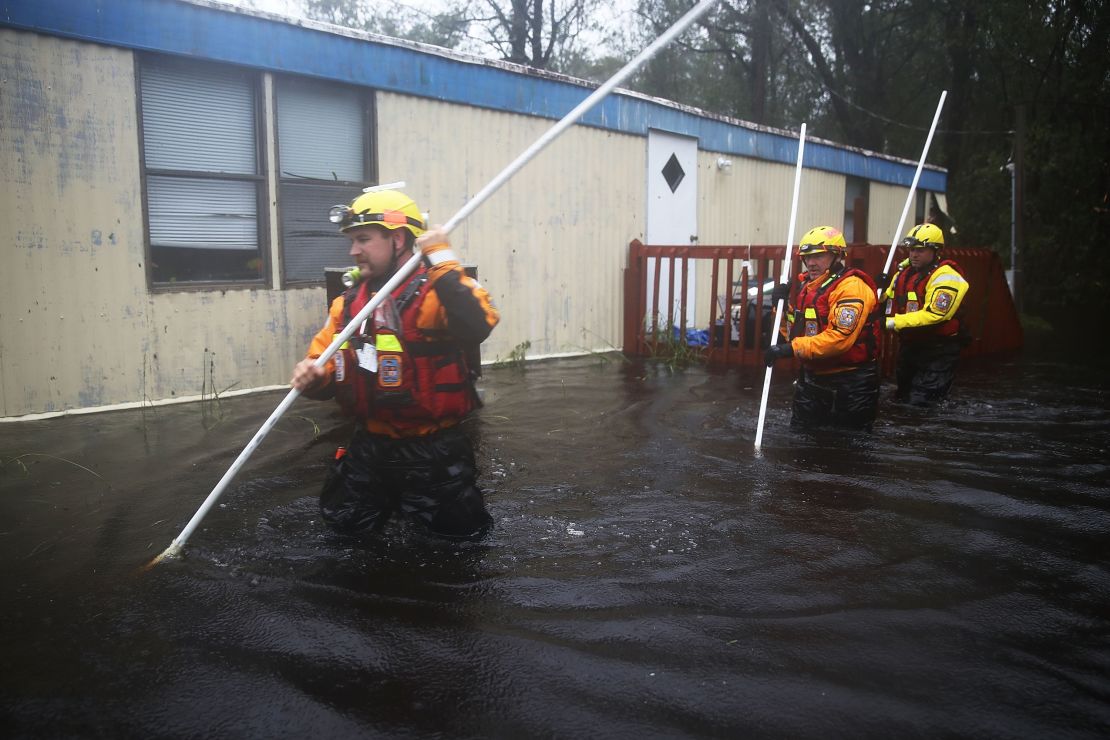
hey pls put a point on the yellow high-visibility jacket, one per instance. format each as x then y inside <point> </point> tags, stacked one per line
<point>922,304</point>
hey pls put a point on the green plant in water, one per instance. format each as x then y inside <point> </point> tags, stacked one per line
<point>211,407</point>
<point>516,357</point>
<point>315,426</point>
<point>209,398</point>
<point>674,352</point>
<point>18,462</point>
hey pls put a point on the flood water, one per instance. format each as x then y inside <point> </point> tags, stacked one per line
<point>649,575</point>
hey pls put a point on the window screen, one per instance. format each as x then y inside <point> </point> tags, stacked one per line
<point>203,184</point>
<point>323,155</point>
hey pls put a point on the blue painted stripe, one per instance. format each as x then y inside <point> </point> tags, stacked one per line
<point>204,32</point>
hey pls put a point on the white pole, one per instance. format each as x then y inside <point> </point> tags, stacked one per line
<point>784,279</point>
<point>1013,226</point>
<point>406,269</point>
<point>913,188</point>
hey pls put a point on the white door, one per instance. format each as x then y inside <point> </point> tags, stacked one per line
<point>672,216</point>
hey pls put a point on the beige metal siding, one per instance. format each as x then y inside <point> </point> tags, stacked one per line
<point>550,245</point>
<point>79,328</point>
<point>749,203</point>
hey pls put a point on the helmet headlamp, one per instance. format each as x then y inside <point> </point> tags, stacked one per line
<point>339,214</point>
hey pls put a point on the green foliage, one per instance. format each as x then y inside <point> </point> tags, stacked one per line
<point>516,357</point>
<point>1047,61</point>
<point>672,351</point>
<point>582,64</point>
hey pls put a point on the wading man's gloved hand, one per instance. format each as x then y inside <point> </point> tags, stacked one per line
<point>434,246</point>
<point>780,292</point>
<point>882,280</point>
<point>777,352</point>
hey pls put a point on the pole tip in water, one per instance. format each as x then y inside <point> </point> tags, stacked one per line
<point>171,552</point>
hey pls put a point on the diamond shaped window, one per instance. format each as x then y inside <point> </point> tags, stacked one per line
<point>673,173</point>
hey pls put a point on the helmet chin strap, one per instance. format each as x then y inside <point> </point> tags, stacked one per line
<point>398,250</point>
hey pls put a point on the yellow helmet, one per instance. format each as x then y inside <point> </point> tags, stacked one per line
<point>391,209</point>
<point>924,235</point>
<point>822,239</point>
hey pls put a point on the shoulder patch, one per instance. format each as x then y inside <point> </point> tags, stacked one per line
<point>847,316</point>
<point>942,301</point>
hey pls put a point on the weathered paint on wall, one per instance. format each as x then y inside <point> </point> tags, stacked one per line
<point>550,245</point>
<point>70,223</point>
<point>78,325</point>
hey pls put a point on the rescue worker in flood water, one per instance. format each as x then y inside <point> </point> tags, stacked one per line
<point>832,327</point>
<point>404,376</point>
<point>923,308</point>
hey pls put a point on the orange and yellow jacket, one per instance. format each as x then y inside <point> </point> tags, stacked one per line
<point>833,326</point>
<point>449,309</point>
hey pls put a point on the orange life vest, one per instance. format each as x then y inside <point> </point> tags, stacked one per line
<point>396,372</point>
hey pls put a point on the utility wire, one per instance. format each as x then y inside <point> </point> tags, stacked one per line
<point>906,125</point>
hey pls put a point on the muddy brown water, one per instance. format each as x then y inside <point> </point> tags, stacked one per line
<point>648,575</point>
